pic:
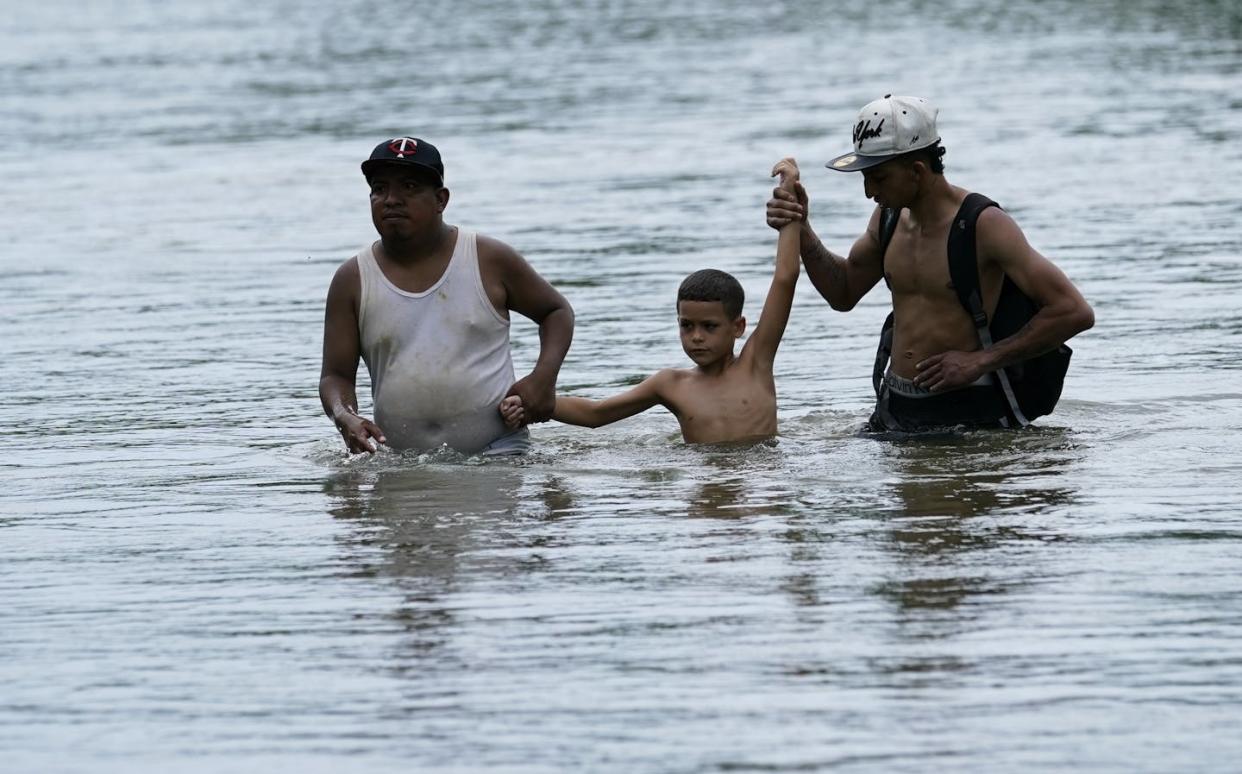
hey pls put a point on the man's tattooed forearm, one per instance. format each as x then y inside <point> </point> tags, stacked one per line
<point>830,265</point>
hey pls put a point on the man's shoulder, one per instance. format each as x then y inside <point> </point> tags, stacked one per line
<point>996,230</point>
<point>348,268</point>
<point>990,220</point>
<point>346,285</point>
<point>498,262</point>
<point>995,217</point>
<point>991,212</point>
<point>491,247</point>
<point>496,257</point>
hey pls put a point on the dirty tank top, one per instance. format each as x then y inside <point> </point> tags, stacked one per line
<point>439,360</point>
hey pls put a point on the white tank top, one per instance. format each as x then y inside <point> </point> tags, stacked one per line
<point>439,360</point>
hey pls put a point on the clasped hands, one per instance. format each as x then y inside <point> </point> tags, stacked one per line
<point>528,401</point>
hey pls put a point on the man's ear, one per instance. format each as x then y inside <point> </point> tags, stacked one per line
<point>739,327</point>
<point>442,195</point>
<point>920,170</point>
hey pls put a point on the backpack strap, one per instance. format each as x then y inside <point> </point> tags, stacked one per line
<point>888,226</point>
<point>883,352</point>
<point>964,273</point>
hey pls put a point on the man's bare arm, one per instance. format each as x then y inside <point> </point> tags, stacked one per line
<point>841,281</point>
<point>339,369</point>
<point>1063,312</point>
<point>530,295</point>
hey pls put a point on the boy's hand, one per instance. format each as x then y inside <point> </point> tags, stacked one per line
<point>787,168</point>
<point>789,201</point>
<point>511,411</point>
<point>538,398</point>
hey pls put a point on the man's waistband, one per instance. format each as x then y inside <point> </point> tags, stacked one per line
<point>908,389</point>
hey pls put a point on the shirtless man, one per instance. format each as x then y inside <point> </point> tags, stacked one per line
<point>939,376</point>
<point>427,307</point>
<point>726,397</point>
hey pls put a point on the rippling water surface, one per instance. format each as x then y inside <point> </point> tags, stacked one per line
<point>196,578</point>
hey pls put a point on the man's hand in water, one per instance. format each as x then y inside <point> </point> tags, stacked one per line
<point>360,433</point>
<point>787,206</point>
<point>950,370</point>
<point>511,411</point>
<point>538,398</point>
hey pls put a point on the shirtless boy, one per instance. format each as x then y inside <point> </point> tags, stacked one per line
<point>427,307</point>
<point>940,375</point>
<point>725,397</point>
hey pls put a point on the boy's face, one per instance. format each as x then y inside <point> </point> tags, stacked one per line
<point>707,332</point>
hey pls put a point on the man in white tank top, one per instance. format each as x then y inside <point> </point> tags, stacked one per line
<point>427,308</point>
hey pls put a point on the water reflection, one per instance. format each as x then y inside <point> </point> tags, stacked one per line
<point>423,527</point>
<point>423,516</point>
<point>725,499</point>
<point>734,482</point>
<point>802,584</point>
<point>555,497</point>
<point>965,507</point>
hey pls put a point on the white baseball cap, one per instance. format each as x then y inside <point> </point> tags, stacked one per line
<point>888,127</point>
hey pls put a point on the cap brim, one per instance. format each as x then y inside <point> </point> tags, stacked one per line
<point>370,165</point>
<point>852,162</point>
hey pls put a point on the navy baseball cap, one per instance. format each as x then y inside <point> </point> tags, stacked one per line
<point>406,150</point>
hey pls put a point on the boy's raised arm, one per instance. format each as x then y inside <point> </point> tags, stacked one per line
<point>767,336</point>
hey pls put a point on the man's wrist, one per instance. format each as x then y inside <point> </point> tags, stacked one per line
<point>544,376</point>
<point>340,412</point>
<point>988,361</point>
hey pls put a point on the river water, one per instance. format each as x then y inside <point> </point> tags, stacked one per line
<point>196,579</point>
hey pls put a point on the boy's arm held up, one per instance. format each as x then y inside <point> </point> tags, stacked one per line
<point>840,280</point>
<point>775,315</point>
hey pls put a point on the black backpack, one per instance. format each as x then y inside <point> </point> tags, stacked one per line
<point>1032,387</point>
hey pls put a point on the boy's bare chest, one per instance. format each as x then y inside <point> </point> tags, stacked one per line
<point>725,407</point>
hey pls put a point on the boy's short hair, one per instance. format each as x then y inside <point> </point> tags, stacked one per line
<point>714,285</point>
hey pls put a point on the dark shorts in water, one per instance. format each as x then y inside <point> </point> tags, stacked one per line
<point>903,407</point>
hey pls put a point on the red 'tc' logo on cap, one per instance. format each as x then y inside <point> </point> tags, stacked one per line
<point>402,146</point>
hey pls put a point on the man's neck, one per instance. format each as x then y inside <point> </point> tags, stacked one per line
<point>937,202</point>
<point>416,248</point>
